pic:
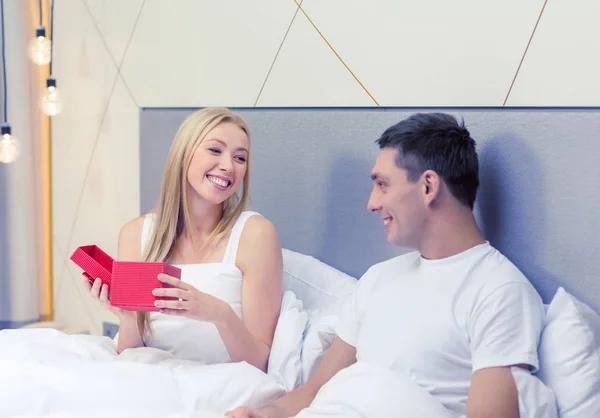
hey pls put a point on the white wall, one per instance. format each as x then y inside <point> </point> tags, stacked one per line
<point>113,57</point>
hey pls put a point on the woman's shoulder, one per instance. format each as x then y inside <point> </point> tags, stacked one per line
<point>260,247</point>
<point>133,227</point>
<point>258,236</point>
<point>257,227</point>
<point>130,237</point>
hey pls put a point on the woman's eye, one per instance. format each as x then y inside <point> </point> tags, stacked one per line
<point>241,159</point>
<point>215,150</point>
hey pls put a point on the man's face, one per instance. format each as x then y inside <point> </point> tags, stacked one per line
<point>398,201</point>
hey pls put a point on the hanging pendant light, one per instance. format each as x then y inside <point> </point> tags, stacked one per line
<point>9,145</point>
<point>39,47</point>
<point>50,102</point>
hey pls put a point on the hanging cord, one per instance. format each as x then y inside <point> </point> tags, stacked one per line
<point>51,35</point>
<point>4,63</point>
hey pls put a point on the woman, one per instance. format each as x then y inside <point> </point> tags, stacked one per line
<point>229,295</point>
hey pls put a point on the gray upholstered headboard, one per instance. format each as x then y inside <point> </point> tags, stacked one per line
<point>539,201</point>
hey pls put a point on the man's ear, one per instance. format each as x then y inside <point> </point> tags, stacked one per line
<point>431,186</point>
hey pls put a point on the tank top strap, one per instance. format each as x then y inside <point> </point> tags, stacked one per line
<point>147,229</point>
<point>234,238</point>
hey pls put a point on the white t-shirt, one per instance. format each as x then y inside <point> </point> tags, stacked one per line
<point>438,321</point>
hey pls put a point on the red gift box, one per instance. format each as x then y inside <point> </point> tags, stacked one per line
<point>133,283</point>
<point>130,282</point>
<point>95,263</point>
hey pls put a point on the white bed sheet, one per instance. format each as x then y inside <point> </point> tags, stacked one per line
<point>45,373</point>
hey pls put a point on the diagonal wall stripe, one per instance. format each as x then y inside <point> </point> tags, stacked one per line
<point>525,53</point>
<point>120,64</point>
<point>277,53</point>
<point>335,52</point>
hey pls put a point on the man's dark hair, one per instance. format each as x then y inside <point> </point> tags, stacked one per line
<point>436,141</point>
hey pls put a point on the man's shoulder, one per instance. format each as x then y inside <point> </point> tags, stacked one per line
<point>497,274</point>
<point>500,270</point>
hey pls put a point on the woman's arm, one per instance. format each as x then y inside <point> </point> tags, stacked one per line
<point>260,260</point>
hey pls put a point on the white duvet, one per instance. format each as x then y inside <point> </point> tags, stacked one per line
<point>367,391</point>
<point>45,373</point>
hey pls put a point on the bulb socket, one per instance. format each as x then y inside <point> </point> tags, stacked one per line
<point>51,82</point>
<point>5,129</point>
<point>41,31</point>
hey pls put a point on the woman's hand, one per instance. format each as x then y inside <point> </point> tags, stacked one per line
<point>245,412</point>
<point>99,292</point>
<point>191,302</point>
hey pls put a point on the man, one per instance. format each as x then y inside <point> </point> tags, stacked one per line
<point>456,315</point>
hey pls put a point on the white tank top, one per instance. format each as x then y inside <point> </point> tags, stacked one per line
<point>188,338</point>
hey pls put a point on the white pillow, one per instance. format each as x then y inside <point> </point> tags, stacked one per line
<point>536,400</point>
<point>285,363</point>
<point>319,336</point>
<point>570,356</point>
<point>322,289</point>
<point>316,283</point>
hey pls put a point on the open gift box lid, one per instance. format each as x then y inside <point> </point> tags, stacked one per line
<point>95,263</point>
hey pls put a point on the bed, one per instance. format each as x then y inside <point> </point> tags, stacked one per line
<point>46,373</point>
<point>531,161</point>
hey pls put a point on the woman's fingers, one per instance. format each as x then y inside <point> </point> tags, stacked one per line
<point>171,292</point>
<point>174,312</point>
<point>172,304</point>
<point>86,282</point>
<point>104,294</point>
<point>96,287</point>
<point>174,281</point>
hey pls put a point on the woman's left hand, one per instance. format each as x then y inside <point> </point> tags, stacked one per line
<point>191,302</point>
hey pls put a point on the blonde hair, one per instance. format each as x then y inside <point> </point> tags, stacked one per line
<point>173,215</point>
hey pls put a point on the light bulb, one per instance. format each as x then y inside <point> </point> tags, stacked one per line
<point>39,48</point>
<point>50,101</point>
<point>9,146</point>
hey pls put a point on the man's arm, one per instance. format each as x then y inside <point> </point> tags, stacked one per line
<point>504,329</point>
<point>493,394</point>
<point>339,356</point>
